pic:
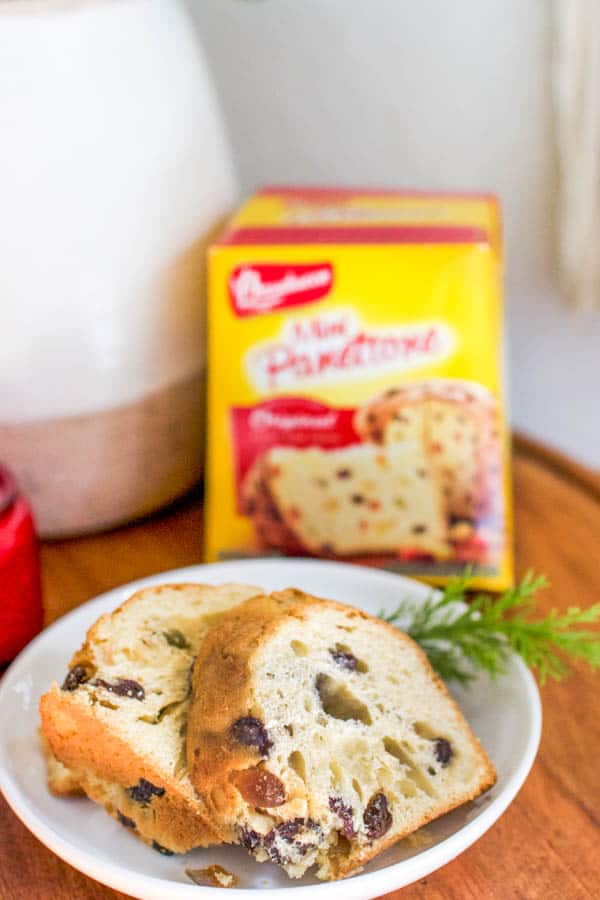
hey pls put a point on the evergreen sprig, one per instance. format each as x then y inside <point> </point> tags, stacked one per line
<point>461,638</point>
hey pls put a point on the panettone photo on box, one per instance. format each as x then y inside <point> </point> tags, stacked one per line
<point>356,406</point>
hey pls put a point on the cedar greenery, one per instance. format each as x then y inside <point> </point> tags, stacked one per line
<point>459,640</point>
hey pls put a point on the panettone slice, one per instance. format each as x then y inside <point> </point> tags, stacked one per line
<point>116,727</point>
<point>358,500</point>
<point>318,735</point>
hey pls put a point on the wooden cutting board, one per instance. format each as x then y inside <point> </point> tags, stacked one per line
<point>547,843</point>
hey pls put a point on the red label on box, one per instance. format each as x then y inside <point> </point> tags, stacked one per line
<point>287,422</point>
<point>255,289</point>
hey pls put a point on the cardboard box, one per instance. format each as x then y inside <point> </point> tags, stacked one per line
<point>355,406</point>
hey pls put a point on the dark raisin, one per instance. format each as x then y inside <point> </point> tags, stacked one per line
<point>357,499</point>
<point>302,849</point>
<point>125,820</point>
<point>252,733</point>
<point>249,839</point>
<point>123,687</point>
<point>327,548</point>
<point>377,435</point>
<point>269,845</point>
<point>75,676</point>
<point>344,473</point>
<point>289,830</point>
<point>419,529</point>
<point>443,751</point>
<point>160,849</point>
<point>377,816</point>
<point>175,638</point>
<point>371,418</point>
<point>344,812</point>
<point>250,507</point>
<point>144,790</point>
<point>345,660</point>
<point>259,787</point>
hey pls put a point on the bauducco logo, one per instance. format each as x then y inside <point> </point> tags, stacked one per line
<point>256,289</point>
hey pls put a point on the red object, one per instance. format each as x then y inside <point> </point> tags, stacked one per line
<point>21,611</point>
<point>256,288</point>
<point>355,234</point>
<point>311,193</point>
<point>287,422</point>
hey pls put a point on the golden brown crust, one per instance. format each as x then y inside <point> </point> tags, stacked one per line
<point>355,861</point>
<point>61,780</point>
<point>221,695</point>
<point>85,652</point>
<point>482,496</point>
<point>260,506</point>
<point>93,753</point>
<point>371,418</point>
<point>105,764</point>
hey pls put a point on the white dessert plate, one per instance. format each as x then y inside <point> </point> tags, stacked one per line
<point>505,715</point>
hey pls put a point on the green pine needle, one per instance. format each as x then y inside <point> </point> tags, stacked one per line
<point>459,641</point>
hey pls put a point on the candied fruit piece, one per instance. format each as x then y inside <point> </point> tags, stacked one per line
<point>175,638</point>
<point>259,787</point>
<point>213,876</point>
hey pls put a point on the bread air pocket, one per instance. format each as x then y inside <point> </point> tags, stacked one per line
<point>318,735</point>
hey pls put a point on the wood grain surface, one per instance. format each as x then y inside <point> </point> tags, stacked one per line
<point>547,844</point>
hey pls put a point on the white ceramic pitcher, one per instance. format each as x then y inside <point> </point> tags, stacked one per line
<point>113,173</point>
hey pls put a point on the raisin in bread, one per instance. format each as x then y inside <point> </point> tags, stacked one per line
<point>116,727</point>
<point>457,425</point>
<point>320,735</point>
<point>354,501</point>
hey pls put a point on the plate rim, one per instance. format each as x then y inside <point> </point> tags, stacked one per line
<point>362,885</point>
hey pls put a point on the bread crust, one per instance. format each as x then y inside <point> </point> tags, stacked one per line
<point>104,764</point>
<point>61,780</point>
<point>221,685</point>
<point>280,528</point>
<point>260,506</point>
<point>222,694</point>
<point>94,754</point>
<point>370,419</point>
<point>483,493</point>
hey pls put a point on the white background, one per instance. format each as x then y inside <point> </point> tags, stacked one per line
<point>434,93</point>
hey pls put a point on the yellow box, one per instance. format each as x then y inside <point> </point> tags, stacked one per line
<point>355,406</point>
